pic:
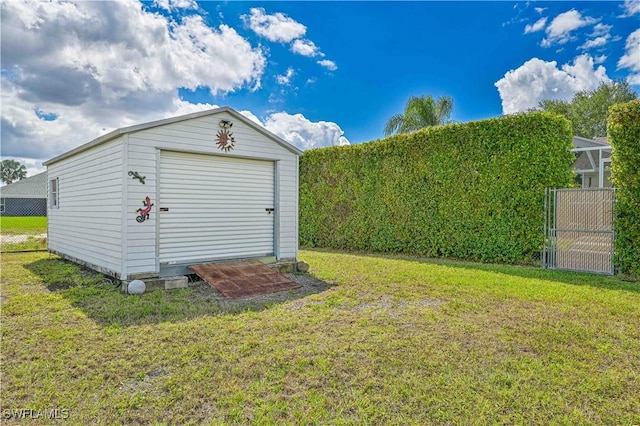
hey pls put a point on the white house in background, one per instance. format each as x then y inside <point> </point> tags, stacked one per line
<point>593,161</point>
<point>149,200</point>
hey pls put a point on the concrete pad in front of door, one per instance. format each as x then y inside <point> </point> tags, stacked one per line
<point>243,278</point>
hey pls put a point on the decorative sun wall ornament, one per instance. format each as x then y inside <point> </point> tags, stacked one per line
<point>135,175</point>
<point>144,213</point>
<point>226,141</point>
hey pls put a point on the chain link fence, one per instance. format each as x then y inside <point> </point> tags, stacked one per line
<point>25,232</point>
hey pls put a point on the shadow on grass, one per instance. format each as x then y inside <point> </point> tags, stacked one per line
<point>101,299</point>
<point>531,272</point>
<point>566,277</point>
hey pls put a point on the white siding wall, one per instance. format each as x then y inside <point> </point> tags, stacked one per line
<point>141,237</point>
<point>199,136</point>
<point>594,179</point>
<point>87,224</point>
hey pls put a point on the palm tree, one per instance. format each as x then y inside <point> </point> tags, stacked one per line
<point>420,112</point>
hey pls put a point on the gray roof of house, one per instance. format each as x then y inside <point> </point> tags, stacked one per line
<point>580,142</point>
<point>138,127</point>
<point>31,187</point>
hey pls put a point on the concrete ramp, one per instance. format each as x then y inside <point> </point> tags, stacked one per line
<point>243,278</point>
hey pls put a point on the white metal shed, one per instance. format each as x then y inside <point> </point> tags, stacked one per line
<point>148,200</point>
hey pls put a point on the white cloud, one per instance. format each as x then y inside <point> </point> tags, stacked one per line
<point>537,26</point>
<point>305,134</point>
<point>631,57</point>
<point>540,9</point>
<point>600,30</point>
<point>74,71</point>
<point>251,116</point>
<point>104,65</point>
<point>285,79</point>
<point>559,30</point>
<point>171,5</point>
<point>600,37</point>
<point>305,48</point>
<point>295,129</point>
<point>596,42</point>
<point>277,27</point>
<point>330,65</point>
<point>599,59</point>
<point>631,7</point>
<point>535,80</point>
<point>182,107</point>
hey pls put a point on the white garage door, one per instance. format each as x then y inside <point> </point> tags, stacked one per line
<point>214,208</point>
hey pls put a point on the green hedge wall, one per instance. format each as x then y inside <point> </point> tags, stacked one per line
<point>624,136</point>
<point>469,191</point>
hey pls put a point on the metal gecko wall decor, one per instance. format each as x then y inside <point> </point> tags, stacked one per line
<point>144,213</point>
<point>226,141</point>
<point>135,175</point>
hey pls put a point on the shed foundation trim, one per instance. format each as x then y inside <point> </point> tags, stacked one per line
<point>80,262</point>
<point>157,283</point>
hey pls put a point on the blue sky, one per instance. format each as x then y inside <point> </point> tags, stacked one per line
<point>388,51</point>
<point>314,73</point>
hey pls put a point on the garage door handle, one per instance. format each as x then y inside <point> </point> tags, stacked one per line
<point>164,209</point>
<point>270,210</point>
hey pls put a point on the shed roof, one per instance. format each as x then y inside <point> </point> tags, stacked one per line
<point>31,187</point>
<point>144,126</point>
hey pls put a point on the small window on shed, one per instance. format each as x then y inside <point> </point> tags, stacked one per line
<point>54,193</point>
<point>1,205</point>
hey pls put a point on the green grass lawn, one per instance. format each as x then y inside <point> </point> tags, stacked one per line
<point>23,224</point>
<point>23,233</point>
<point>395,341</point>
<point>28,243</point>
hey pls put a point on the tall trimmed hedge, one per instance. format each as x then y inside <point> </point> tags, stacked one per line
<point>624,136</point>
<point>468,191</point>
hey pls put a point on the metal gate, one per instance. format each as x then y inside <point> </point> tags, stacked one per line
<point>579,230</point>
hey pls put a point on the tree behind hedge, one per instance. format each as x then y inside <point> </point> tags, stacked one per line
<point>470,191</point>
<point>588,109</point>
<point>420,112</point>
<point>624,137</point>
